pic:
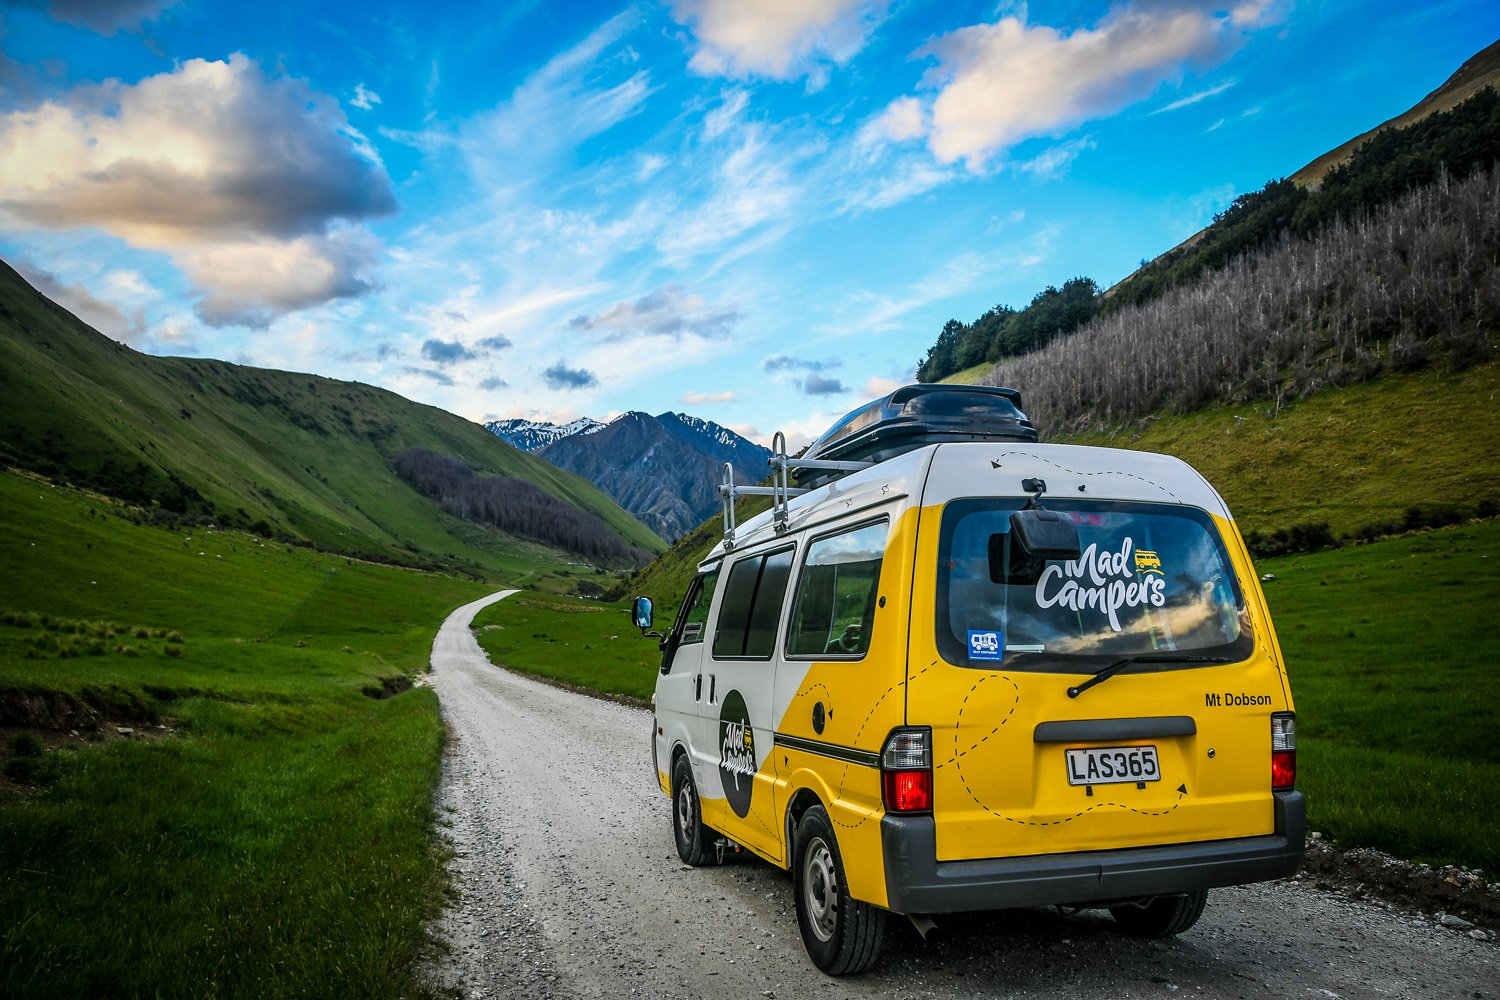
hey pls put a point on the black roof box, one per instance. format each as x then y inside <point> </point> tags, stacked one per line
<point>918,415</point>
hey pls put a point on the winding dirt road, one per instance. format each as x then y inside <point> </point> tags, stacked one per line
<point>567,885</point>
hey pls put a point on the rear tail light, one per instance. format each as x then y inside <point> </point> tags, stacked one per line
<point>1283,751</point>
<point>906,771</point>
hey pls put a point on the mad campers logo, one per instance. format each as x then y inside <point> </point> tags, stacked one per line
<point>736,753</point>
<point>1105,581</point>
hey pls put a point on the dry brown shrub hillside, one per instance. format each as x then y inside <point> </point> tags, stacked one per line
<point>1413,283</point>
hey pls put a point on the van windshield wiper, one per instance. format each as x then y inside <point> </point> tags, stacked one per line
<point>1105,674</point>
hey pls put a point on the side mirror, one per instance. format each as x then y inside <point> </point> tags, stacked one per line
<point>640,614</point>
<point>1045,534</point>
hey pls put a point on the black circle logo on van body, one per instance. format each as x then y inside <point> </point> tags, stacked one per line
<point>736,753</point>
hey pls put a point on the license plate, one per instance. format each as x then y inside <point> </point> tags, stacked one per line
<point>1112,765</point>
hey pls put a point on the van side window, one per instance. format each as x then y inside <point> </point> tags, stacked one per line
<point>760,639</point>
<point>751,608</point>
<point>695,608</point>
<point>834,609</point>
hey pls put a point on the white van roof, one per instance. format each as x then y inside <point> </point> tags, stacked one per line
<point>936,474</point>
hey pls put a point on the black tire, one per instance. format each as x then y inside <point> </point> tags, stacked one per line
<point>842,935</point>
<point>695,842</point>
<point>1164,916</point>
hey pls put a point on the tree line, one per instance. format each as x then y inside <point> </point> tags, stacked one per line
<point>1003,332</point>
<point>513,505</point>
<point>1451,143</point>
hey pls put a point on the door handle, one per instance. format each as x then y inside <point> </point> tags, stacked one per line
<point>698,688</point>
<point>712,686</point>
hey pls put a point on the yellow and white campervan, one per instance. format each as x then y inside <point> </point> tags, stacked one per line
<point>955,669</point>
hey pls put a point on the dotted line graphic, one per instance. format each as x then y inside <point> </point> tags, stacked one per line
<point>958,726</point>
<point>1093,475</point>
<point>827,698</point>
<point>844,774</point>
<point>957,761</point>
<point>756,814</point>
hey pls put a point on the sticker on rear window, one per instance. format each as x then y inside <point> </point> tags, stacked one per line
<point>985,645</point>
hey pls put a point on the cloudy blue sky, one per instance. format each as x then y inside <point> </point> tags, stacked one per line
<point>756,211</point>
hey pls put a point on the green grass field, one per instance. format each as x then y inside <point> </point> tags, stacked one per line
<point>1392,651</point>
<point>582,643</point>
<point>274,839</point>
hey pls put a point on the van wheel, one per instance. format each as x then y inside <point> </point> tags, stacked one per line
<point>842,935</point>
<point>694,840</point>
<point>1164,916</point>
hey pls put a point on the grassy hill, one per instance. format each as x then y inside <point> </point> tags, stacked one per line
<point>1355,458</point>
<point>296,455</point>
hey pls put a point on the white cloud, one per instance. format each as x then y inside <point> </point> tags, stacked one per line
<point>666,312</point>
<point>877,386</point>
<point>251,282</point>
<point>557,107</point>
<point>879,311</point>
<point>180,162</point>
<point>1052,163</point>
<point>755,184</point>
<point>1192,99</point>
<point>705,398</point>
<point>908,178</point>
<point>780,39</point>
<point>725,116</point>
<point>752,433</point>
<point>903,119</point>
<point>364,99</point>
<point>650,165</point>
<point>1004,82</point>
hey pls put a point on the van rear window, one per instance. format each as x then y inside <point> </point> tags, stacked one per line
<point>1150,578</point>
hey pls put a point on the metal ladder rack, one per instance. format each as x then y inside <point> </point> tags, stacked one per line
<point>780,491</point>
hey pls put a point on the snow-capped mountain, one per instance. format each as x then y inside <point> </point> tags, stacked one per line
<point>663,469</point>
<point>534,435</point>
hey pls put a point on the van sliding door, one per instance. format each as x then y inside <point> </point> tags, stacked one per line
<point>735,724</point>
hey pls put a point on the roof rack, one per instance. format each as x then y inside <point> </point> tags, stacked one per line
<point>900,421</point>
<point>781,490</point>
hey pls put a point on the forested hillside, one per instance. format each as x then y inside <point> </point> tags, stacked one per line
<point>512,505</point>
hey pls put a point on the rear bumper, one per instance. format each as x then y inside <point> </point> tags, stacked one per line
<point>917,883</point>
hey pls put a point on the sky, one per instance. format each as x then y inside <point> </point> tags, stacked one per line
<point>760,212</point>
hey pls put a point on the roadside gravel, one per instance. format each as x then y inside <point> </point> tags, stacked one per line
<point>567,885</point>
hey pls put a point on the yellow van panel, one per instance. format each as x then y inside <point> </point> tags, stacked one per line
<point>854,806</point>
<point>999,793</point>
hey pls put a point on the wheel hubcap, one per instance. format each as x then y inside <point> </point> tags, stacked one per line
<point>820,889</point>
<point>685,812</point>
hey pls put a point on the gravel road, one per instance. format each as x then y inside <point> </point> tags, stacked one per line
<point>567,885</point>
